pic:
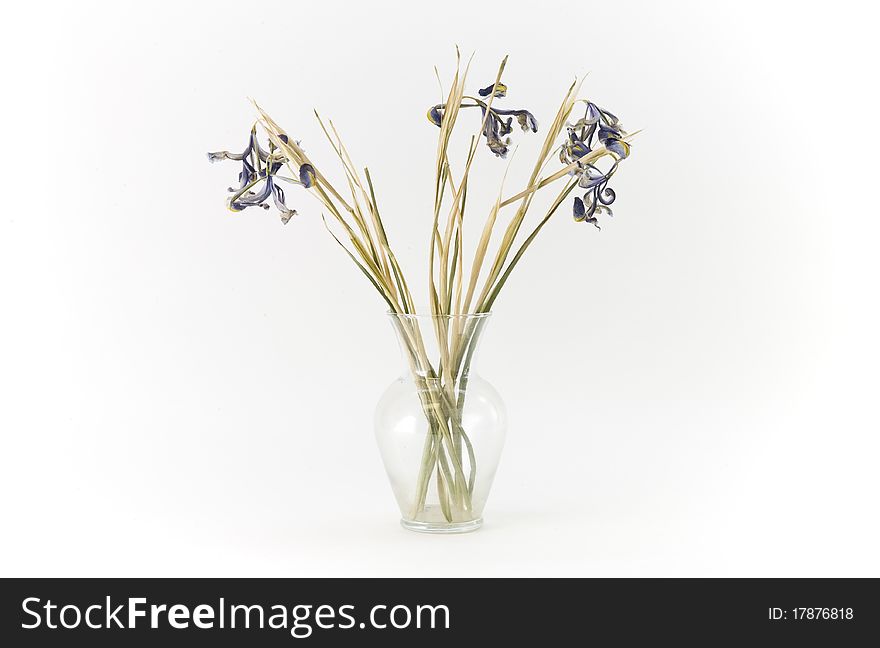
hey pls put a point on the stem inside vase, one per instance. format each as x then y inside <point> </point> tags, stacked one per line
<point>448,457</point>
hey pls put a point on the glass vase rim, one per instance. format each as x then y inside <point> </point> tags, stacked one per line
<point>444,316</point>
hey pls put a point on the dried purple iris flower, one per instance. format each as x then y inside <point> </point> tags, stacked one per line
<point>495,128</point>
<point>597,125</point>
<point>257,180</point>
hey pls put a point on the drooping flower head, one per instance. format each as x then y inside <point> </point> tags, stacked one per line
<point>496,128</point>
<point>259,177</point>
<point>597,125</point>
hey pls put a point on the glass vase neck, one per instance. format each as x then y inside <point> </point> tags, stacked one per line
<point>439,347</point>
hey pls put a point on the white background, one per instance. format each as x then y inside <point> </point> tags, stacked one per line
<point>692,391</point>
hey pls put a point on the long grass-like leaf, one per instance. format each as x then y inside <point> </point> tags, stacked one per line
<point>363,269</point>
<point>493,295</point>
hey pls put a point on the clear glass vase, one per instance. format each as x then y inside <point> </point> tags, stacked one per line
<point>440,427</point>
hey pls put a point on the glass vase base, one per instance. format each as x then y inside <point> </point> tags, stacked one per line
<point>442,527</point>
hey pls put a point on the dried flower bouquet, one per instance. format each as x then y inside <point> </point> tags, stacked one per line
<point>588,149</point>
